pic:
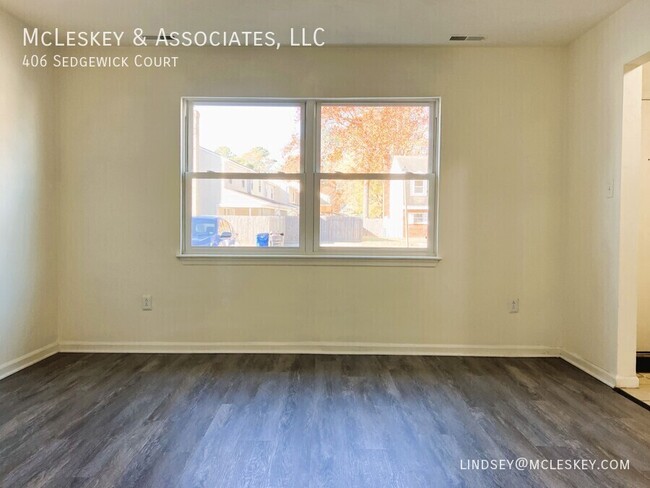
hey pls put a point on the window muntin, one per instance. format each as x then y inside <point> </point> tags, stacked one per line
<point>385,206</point>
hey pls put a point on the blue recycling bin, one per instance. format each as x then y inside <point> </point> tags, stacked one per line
<point>263,239</point>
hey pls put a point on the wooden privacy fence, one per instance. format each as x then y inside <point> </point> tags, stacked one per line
<point>246,228</point>
<point>333,228</point>
<point>341,228</point>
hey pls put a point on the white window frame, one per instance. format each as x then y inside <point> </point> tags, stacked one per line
<point>309,250</point>
<point>413,221</point>
<point>425,188</point>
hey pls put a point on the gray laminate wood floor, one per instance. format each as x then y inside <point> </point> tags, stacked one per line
<point>155,420</point>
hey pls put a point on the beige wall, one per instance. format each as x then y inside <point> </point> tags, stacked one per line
<point>524,210</point>
<point>643,319</point>
<point>28,202</point>
<point>503,169</point>
<point>595,300</point>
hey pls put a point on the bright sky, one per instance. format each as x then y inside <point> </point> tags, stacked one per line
<point>243,127</point>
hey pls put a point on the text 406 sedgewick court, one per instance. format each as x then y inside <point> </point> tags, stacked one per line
<point>137,61</point>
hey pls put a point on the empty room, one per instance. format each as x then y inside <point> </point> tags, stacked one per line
<point>324,243</point>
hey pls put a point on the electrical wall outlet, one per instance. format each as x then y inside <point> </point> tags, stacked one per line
<point>513,306</point>
<point>147,303</point>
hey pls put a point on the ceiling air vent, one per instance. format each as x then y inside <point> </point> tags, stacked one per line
<point>467,38</point>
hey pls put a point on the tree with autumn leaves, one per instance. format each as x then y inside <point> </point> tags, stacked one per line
<point>363,139</point>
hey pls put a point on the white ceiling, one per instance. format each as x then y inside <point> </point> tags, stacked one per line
<point>502,22</point>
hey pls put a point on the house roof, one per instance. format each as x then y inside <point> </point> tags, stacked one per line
<point>324,199</point>
<point>236,199</point>
<point>212,161</point>
<point>410,164</point>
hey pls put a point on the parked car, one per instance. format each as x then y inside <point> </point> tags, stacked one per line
<point>212,231</point>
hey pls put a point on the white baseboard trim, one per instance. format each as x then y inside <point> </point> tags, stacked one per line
<point>310,348</point>
<point>15,365</point>
<point>590,368</point>
<point>26,360</point>
<point>627,381</point>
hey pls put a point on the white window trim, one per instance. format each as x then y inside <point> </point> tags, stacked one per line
<point>412,219</point>
<point>422,193</point>
<point>309,252</point>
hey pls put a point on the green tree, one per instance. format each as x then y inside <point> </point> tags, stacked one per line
<point>257,158</point>
<point>226,152</point>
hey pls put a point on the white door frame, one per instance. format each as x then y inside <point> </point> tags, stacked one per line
<point>630,164</point>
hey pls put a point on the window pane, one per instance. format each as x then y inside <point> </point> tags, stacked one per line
<point>374,138</point>
<point>373,213</point>
<point>245,213</point>
<point>246,138</point>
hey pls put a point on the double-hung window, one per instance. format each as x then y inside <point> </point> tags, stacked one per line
<point>310,178</point>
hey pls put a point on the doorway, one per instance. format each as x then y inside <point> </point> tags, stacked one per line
<point>643,278</point>
<point>634,250</point>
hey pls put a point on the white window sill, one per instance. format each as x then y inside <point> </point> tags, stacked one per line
<point>302,260</point>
